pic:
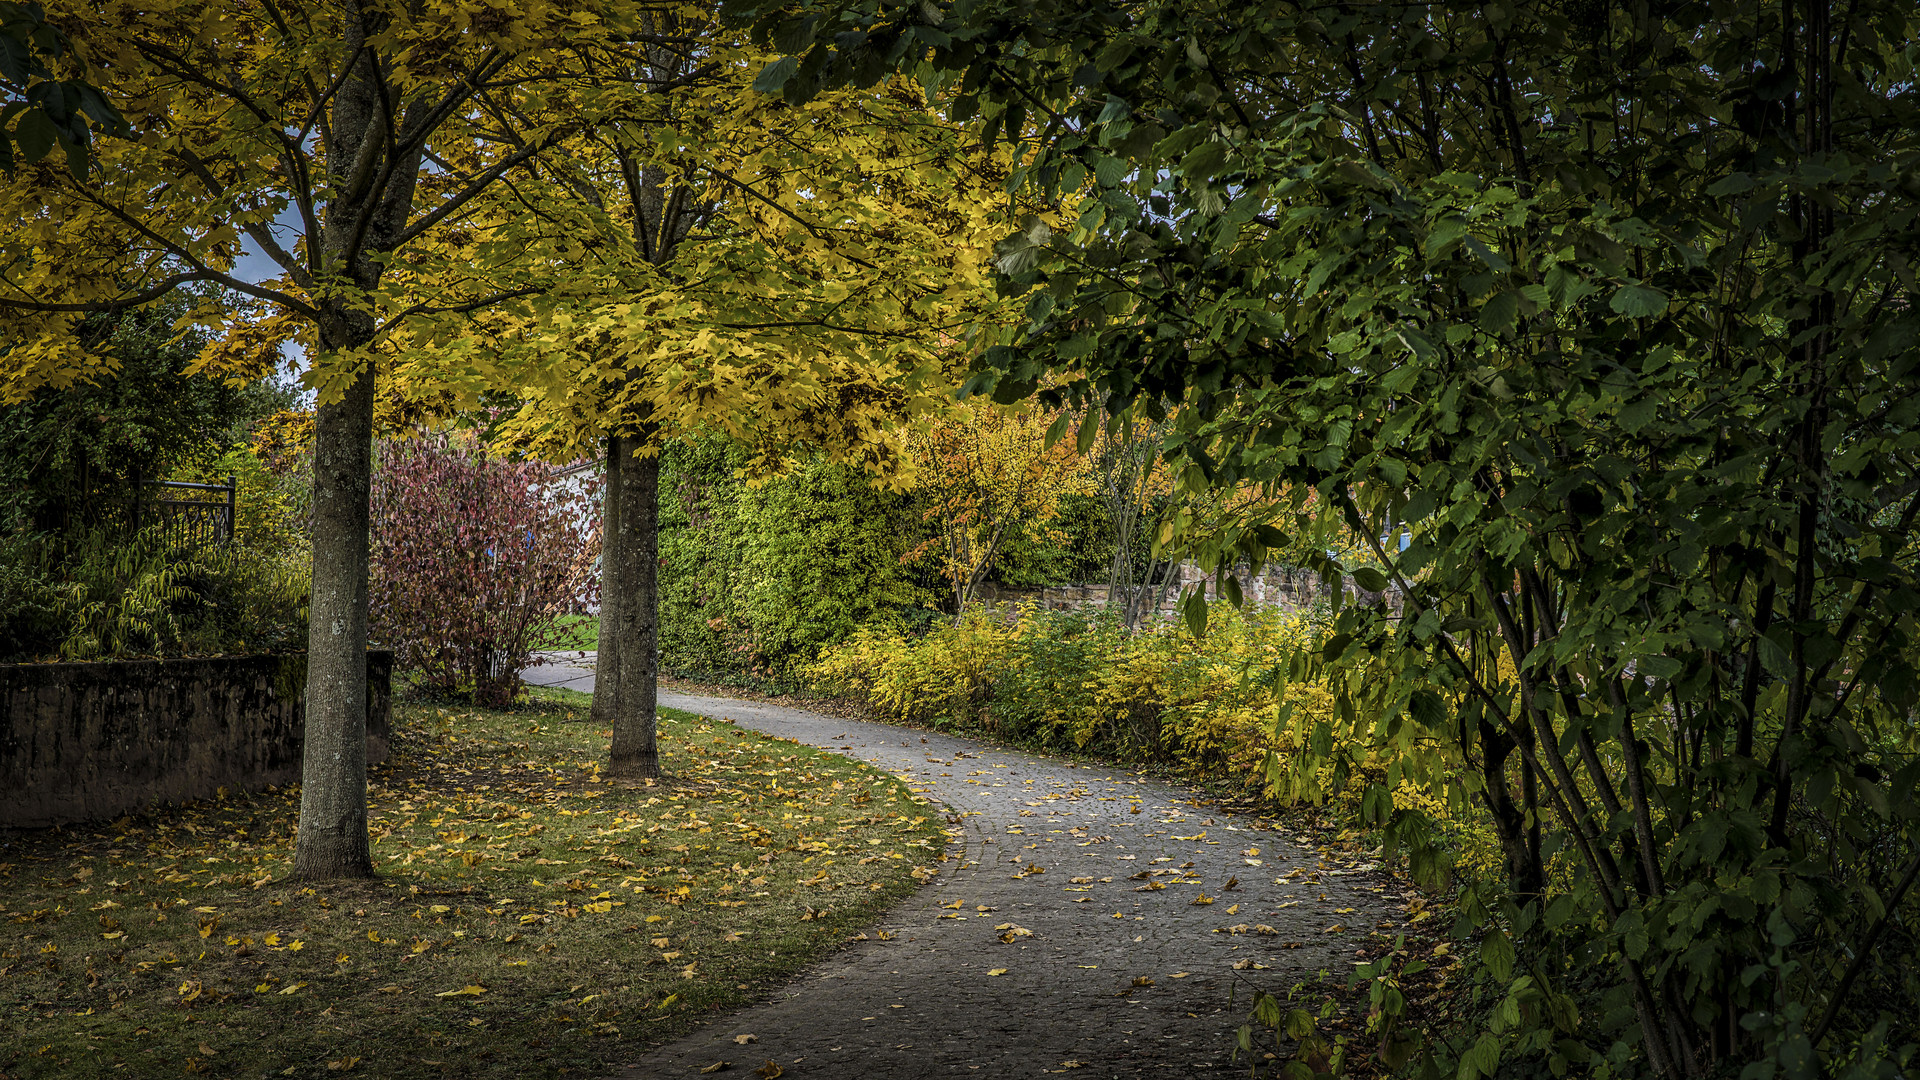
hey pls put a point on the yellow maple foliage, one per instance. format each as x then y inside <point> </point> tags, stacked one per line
<point>985,471</point>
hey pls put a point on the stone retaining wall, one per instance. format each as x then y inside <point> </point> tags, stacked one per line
<point>1291,589</point>
<point>91,742</point>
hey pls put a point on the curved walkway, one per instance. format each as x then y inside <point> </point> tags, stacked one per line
<point>1088,921</point>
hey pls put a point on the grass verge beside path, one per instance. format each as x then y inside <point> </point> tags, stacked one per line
<point>583,632</point>
<point>531,918</point>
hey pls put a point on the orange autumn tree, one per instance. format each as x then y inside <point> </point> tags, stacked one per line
<point>984,473</point>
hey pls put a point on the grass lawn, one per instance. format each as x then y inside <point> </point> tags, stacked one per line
<point>530,918</point>
<point>582,631</point>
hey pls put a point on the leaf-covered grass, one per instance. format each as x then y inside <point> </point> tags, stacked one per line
<point>530,918</point>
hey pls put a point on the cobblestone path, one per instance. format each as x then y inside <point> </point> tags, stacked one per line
<point>1133,912</point>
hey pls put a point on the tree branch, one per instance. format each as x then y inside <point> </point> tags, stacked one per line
<point>1860,954</point>
<point>148,295</point>
<point>460,309</point>
<point>473,188</point>
<point>812,229</point>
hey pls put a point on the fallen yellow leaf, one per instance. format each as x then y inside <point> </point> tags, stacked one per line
<point>465,991</point>
<point>997,971</point>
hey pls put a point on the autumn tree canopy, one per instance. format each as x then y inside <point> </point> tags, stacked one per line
<point>985,473</point>
<point>583,211</point>
<point>378,129</point>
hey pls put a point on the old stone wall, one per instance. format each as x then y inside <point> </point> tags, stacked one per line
<point>90,742</point>
<point>1291,589</point>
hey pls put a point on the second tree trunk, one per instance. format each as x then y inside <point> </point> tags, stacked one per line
<point>632,564</point>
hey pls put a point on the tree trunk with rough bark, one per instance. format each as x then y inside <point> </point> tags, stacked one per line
<point>364,220</point>
<point>630,547</point>
<point>333,839</point>
<point>636,753</point>
<point>606,661</point>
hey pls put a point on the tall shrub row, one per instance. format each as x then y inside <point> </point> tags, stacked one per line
<point>756,575</point>
<point>759,575</point>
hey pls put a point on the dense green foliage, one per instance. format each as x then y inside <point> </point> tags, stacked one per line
<point>67,453</point>
<point>74,581</point>
<point>95,592</point>
<point>33,607</point>
<point>147,595</point>
<point>756,577</point>
<point>1076,546</point>
<point>1612,307</point>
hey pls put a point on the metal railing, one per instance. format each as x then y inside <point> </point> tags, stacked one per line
<point>195,515</point>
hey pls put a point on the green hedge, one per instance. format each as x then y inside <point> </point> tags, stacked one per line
<point>757,577</point>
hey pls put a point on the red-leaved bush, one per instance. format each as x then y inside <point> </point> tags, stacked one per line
<point>474,560</point>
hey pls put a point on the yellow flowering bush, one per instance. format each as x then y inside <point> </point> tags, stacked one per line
<point>1208,705</point>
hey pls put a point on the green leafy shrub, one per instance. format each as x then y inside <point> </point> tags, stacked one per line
<point>757,578</point>
<point>92,593</point>
<point>129,599</point>
<point>34,609</point>
<point>1076,546</point>
<point>255,596</point>
<point>148,596</point>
